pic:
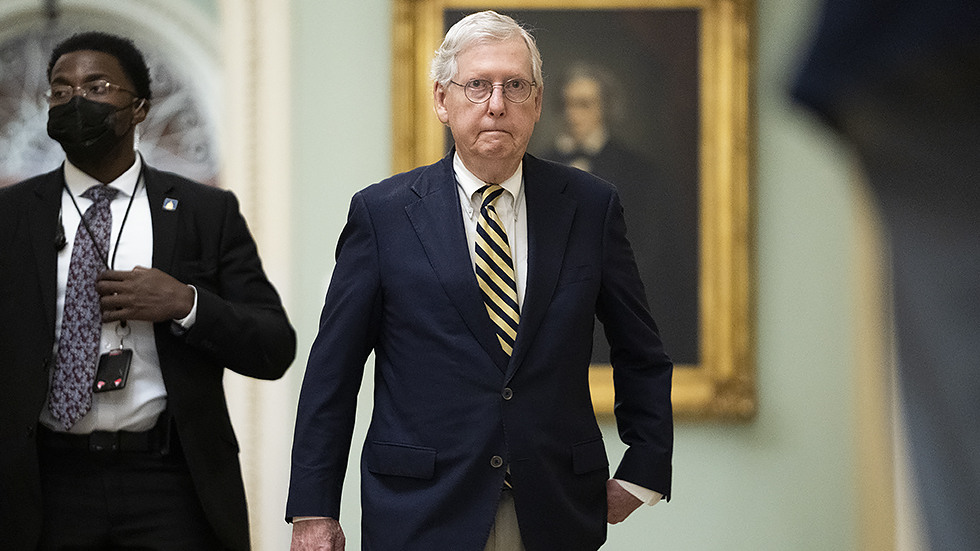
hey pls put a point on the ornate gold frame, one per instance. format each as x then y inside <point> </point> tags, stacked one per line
<point>723,385</point>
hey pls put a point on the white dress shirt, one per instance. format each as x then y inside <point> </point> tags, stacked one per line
<point>137,406</point>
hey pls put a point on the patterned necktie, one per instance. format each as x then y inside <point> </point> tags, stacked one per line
<point>495,270</point>
<point>81,325</point>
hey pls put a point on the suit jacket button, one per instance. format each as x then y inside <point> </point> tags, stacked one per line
<point>496,462</point>
<point>507,393</point>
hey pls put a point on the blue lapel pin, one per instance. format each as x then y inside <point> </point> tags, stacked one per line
<point>169,204</point>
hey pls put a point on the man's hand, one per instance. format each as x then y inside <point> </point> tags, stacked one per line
<point>143,294</point>
<point>621,502</point>
<point>317,535</point>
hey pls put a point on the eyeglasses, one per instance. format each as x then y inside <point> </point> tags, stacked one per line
<point>479,90</point>
<point>96,90</point>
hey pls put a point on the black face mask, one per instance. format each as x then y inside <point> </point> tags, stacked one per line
<point>83,126</point>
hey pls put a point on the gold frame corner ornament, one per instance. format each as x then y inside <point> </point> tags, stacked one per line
<point>723,385</point>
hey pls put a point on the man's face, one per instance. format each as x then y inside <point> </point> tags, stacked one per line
<point>583,107</point>
<point>492,135</point>
<point>83,66</point>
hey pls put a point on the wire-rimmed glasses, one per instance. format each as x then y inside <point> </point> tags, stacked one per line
<point>96,90</point>
<point>479,90</point>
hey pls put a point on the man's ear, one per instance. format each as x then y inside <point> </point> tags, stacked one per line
<point>538,102</point>
<point>439,103</point>
<point>140,110</point>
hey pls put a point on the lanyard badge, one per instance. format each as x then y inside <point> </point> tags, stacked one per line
<point>114,365</point>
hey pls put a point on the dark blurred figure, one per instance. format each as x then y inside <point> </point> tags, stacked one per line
<point>900,81</point>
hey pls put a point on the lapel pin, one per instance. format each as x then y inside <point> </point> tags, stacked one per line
<point>169,204</point>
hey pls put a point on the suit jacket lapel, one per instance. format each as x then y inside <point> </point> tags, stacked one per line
<point>43,220</point>
<point>164,220</point>
<point>549,221</point>
<point>437,220</point>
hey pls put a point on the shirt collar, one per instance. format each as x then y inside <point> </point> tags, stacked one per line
<point>470,184</point>
<point>79,181</point>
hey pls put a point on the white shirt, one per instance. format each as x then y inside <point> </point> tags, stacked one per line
<point>137,406</point>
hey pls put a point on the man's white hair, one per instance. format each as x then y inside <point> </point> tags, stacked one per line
<point>484,26</point>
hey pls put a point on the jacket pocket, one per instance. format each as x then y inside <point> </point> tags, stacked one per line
<point>400,460</point>
<point>589,456</point>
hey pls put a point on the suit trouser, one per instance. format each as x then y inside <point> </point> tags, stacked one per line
<point>96,500</point>
<point>505,534</point>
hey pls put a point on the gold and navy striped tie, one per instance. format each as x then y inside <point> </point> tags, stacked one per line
<point>495,269</point>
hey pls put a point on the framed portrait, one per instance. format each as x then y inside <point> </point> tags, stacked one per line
<point>653,96</point>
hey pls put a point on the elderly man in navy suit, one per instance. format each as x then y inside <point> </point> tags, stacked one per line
<point>476,281</point>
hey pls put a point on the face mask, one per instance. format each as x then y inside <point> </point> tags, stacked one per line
<point>83,126</point>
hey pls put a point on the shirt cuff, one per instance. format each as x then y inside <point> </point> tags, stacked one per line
<point>181,326</point>
<point>299,519</point>
<point>649,497</point>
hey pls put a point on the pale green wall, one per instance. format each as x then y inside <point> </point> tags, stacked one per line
<point>209,8</point>
<point>782,482</point>
<point>785,481</point>
<point>341,127</point>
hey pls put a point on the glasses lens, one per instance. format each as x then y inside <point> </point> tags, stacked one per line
<point>60,94</point>
<point>478,90</point>
<point>96,89</point>
<point>517,90</point>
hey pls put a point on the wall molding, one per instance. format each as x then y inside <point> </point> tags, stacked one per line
<point>255,142</point>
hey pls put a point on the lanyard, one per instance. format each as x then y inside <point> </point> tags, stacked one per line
<point>104,257</point>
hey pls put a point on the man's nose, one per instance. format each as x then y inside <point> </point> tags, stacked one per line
<point>497,103</point>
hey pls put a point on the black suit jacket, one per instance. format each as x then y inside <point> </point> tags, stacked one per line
<point>451,410</point>
<point>241,325</point>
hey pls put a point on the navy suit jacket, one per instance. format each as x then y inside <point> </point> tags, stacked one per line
<point>451,410</point>
<point>240,325</point>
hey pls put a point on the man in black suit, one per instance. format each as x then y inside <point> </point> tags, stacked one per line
<point>125,292</point>
<point>477,281</point>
